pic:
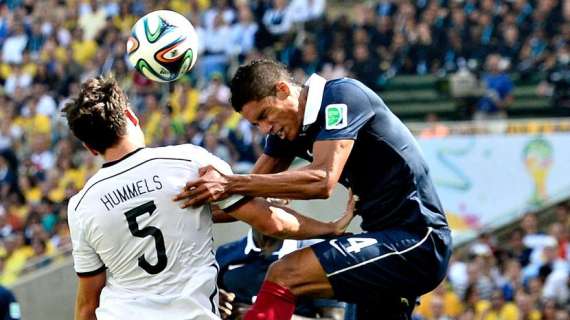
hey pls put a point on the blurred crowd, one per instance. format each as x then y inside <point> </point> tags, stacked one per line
<point>48,47</point>
<point>524,275</point>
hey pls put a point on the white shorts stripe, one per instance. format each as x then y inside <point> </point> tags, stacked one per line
<point>430,229</point>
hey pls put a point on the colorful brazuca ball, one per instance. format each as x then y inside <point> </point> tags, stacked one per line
<point>163,45</point>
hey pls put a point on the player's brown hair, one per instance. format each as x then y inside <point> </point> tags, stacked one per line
<point>255,81</point>
<point>97,115</point>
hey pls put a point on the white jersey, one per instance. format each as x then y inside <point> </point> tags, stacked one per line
<point>159,257</point>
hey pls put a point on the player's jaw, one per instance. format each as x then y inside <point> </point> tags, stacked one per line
<point>273,116</point>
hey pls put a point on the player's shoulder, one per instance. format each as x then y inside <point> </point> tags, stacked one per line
<point>353,93</point>
<point>347,89</point>
<point>74,200</point>
<point>185,151</point>
<point>342,85</point>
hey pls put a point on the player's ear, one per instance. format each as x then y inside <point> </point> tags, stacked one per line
<point>131,116</point>
<point>282,90</point>
<point>93,151</point>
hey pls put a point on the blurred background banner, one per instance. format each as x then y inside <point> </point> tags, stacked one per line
<point>486,181</point>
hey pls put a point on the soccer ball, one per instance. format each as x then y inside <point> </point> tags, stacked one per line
<point>163,45</point>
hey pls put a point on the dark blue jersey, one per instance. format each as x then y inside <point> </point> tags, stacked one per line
<point>385,167</point>
<point>9,307</point>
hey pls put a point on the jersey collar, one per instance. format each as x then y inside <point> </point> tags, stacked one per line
<point>110,163</point>
<point>316,86</point>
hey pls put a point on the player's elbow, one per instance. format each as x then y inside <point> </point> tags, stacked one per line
<point>274,230</point>
<point>326,189</point>
<point>324,185</point>
<point>280,224</point>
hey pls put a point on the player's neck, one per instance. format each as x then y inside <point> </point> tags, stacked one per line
<point>121,149</point>
<point>302,102</point>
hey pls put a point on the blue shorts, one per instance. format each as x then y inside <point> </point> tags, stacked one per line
<point>394,263</point>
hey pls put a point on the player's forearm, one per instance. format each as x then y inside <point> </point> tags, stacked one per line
<point>293,225</point>
<point>85,313</point>
<point>297,184</point>
<point>285,223</point>
<point>88,292</point>
<point>84,310</point>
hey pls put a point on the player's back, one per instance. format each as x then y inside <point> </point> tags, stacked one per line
<point>159,257</point>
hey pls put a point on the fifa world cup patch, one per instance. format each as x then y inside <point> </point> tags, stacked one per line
<point>336,116</point>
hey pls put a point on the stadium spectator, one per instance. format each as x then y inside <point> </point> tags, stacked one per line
<point>498,308</point>
<point>498,94</point>
<point>221,9</point>
<point>278,20</point>
<point>511,281</point>
<point>557,81</point>
<point>217,48</point>
<point>92,19</point>
<point>306,10</point>
<point>243,33</point>
<point>365,67</point>
<point>434,128</point>
<point>526,308</point>
<point>337,67</point>
<point>446,303</point>
<point>14,45</point>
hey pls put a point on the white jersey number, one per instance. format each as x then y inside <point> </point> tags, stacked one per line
<point>132,215</point>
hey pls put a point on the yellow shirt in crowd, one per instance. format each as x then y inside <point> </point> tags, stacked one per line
<point>509,311</point>
<point>452,305</point>
<point>83,51</point>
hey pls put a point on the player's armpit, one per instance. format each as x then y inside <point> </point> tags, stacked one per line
<point>88,292</point>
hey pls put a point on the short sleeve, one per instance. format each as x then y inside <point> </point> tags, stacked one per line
<point>86,260</point>
<point>346,111</point>
<point>230,202</point>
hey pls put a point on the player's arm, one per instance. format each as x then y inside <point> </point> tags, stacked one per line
<point>285,223</point>
<point>87,265</point>
<point>88,292</point>
<point>265,164</point>
<point>316,180</point>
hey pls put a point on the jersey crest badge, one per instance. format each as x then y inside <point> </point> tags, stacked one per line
<point>336,116</point>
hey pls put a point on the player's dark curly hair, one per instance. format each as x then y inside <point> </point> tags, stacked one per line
<point>97,115</point>
<point>255,81</point>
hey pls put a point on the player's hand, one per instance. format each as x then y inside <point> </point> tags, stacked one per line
<point>211,186</point>
<point>225,305</point>
<point>342,223</point>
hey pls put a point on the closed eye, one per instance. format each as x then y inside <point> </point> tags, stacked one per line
<point>262,116</point>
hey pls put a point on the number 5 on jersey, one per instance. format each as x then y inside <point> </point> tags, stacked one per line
<point>132,215</point>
